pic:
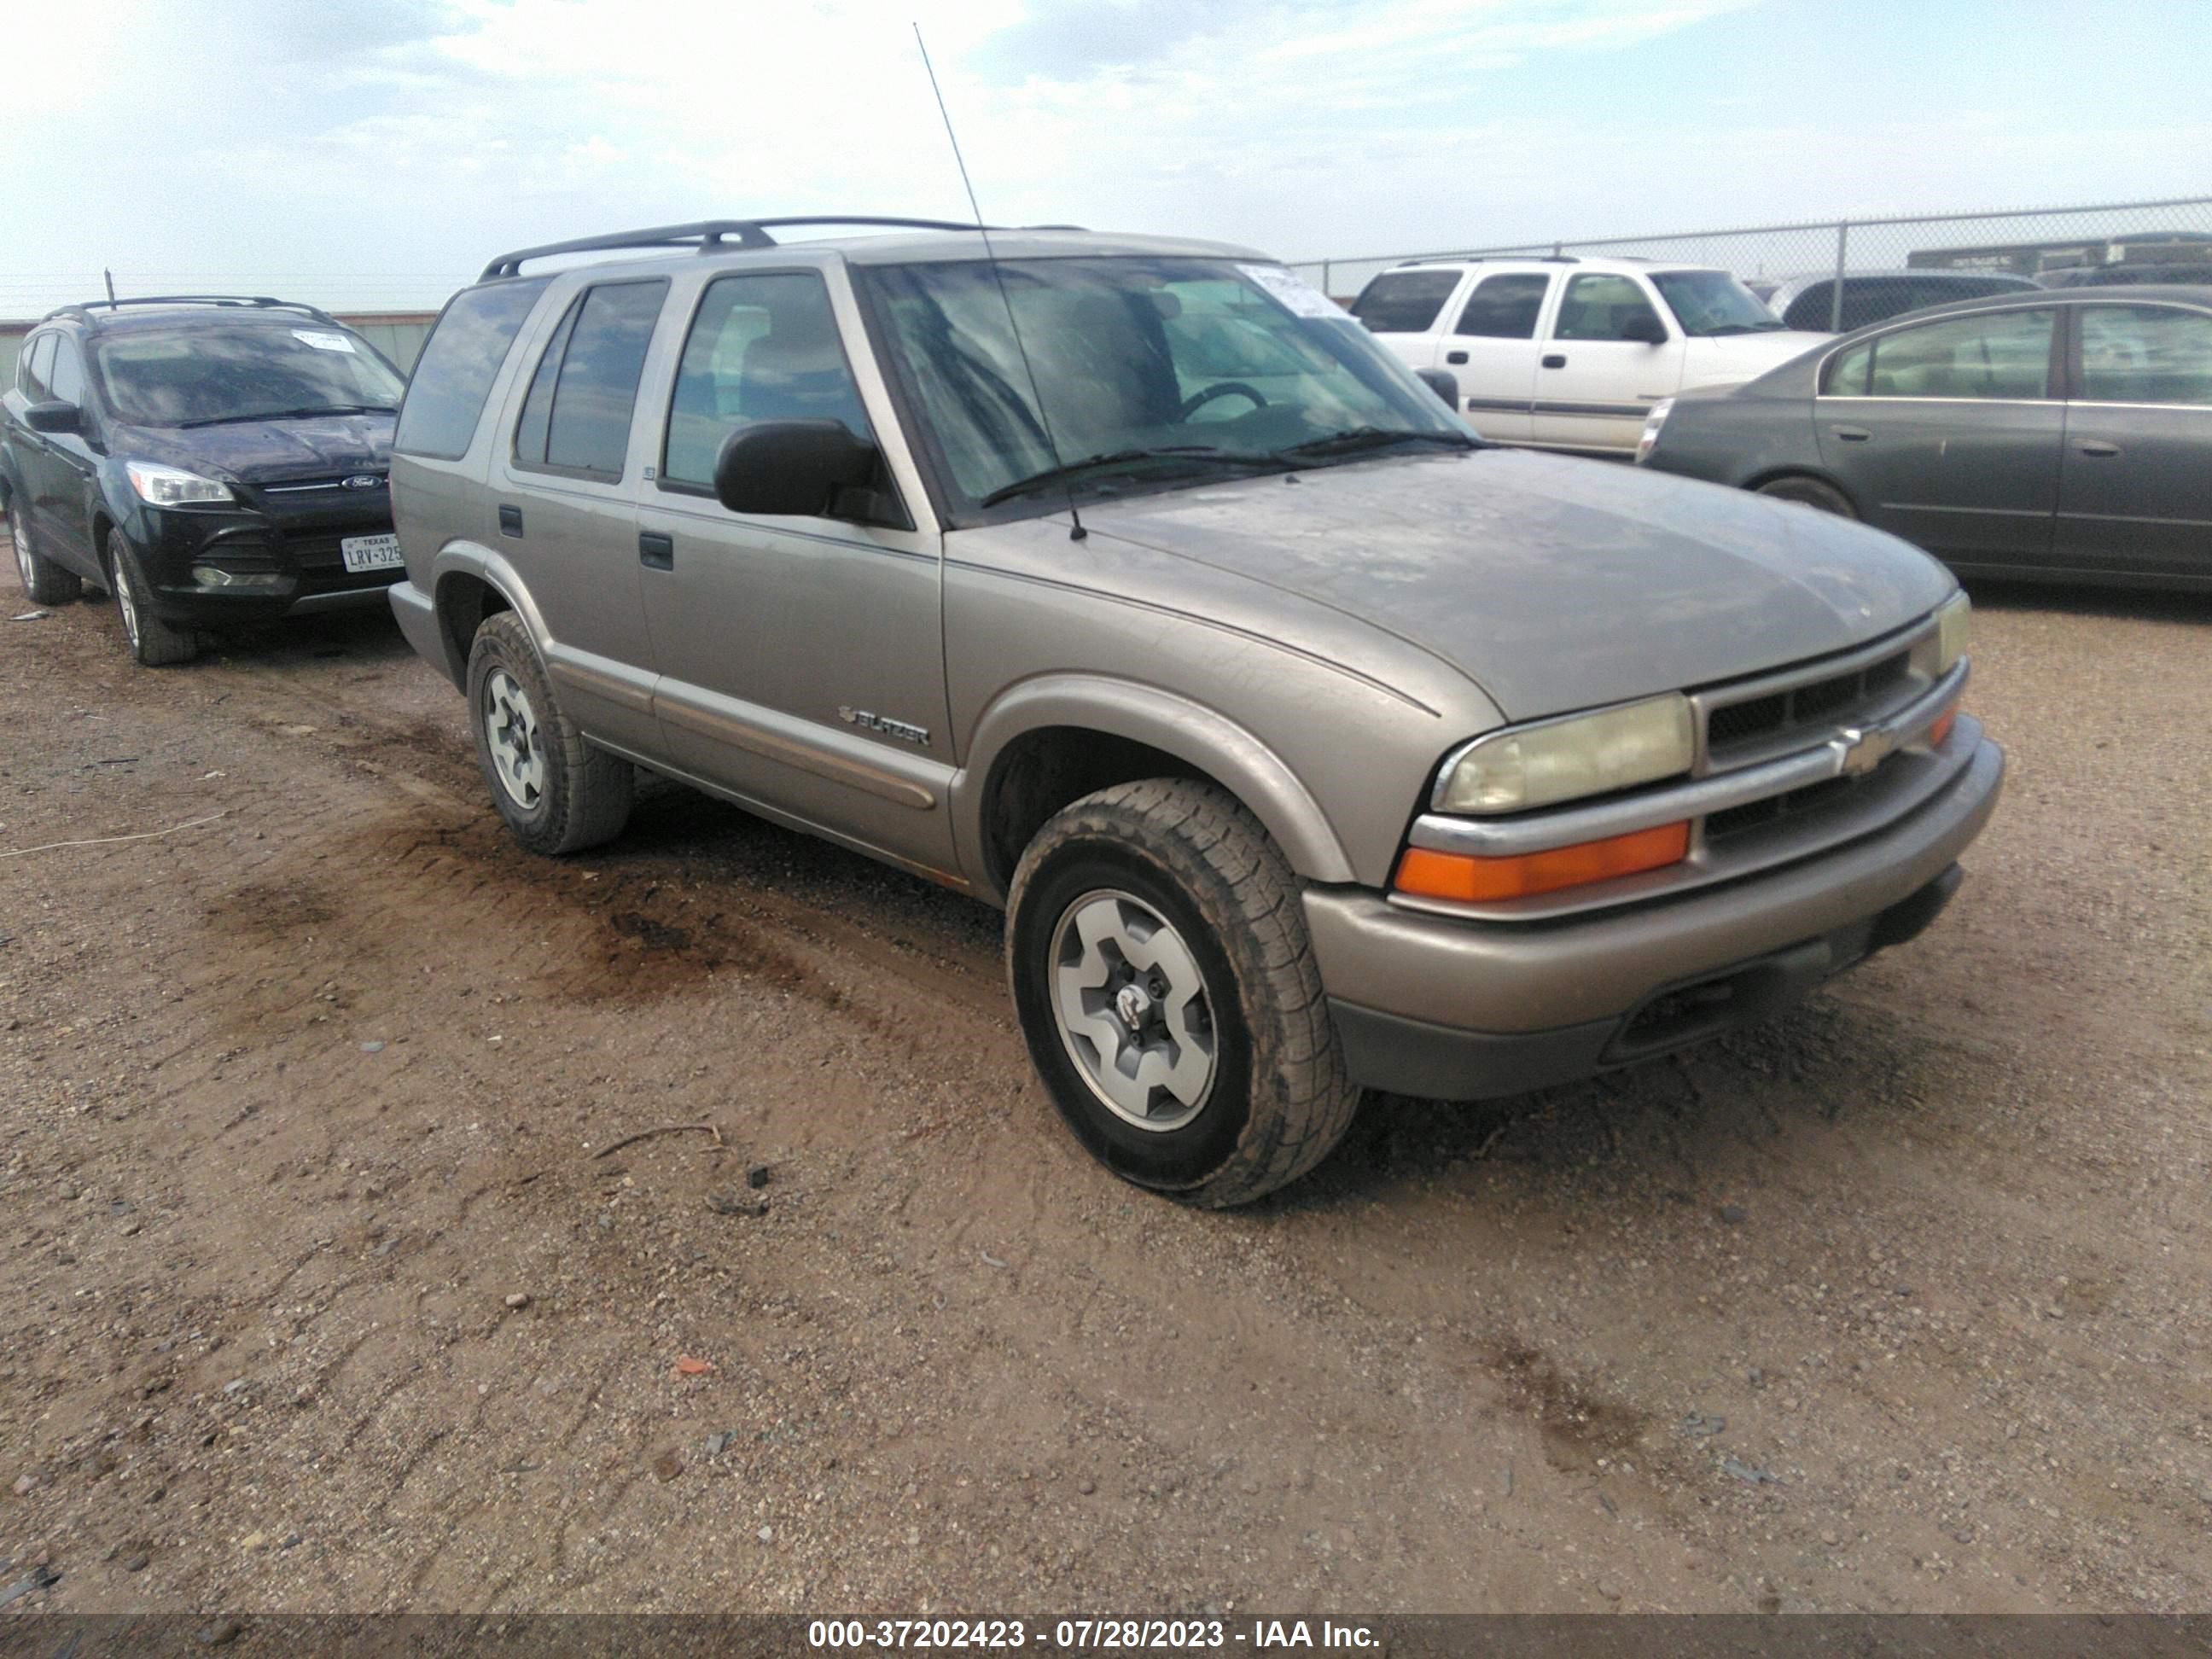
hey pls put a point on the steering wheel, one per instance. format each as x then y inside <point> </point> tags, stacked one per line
<point>1220,389</point>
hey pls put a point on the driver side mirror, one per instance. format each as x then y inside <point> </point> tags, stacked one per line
<point>1645,327</point>
<point>788,468</point>
<point>54,415</point>
<point>1444,383</point>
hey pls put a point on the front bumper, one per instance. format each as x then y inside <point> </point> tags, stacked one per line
<point>299,547</point>
<point>1464,1010</point>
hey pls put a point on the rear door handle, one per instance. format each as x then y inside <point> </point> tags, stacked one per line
<point>1455,356</point>
<point>1852,435</point>
<point>1555,360</point>
<point>2097,447</point>
<point>656,551</point>
<point>510,521</point>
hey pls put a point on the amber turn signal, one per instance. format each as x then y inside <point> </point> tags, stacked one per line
<point>1941,729</point>
<point>1464,876</point>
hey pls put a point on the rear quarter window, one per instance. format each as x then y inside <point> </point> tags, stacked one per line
<point>453,377</point>
<point>1405,301</point>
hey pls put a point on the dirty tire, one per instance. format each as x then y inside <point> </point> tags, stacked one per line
<point>1810,492</point>
<point>1280,1099</point>
<point>585,793</point>
<point>45,581</point>
<point>154,643</point>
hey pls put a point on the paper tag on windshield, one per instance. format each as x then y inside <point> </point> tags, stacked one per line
<point>1303,298</point>
<point>321,340</point>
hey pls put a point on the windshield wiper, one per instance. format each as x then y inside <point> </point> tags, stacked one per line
<point>1203,455</point>
<point>1743,328</point>
<point>1355,439</point>
<point>289,414</point>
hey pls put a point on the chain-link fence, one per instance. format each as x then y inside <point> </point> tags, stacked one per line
<point>2028,244</point>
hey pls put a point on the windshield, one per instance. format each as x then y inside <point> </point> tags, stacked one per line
<point>205,375</point>
<point>1708,302</point>
<point>1152,370</point>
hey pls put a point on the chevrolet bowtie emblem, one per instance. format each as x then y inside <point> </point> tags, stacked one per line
<point>1859,752</point>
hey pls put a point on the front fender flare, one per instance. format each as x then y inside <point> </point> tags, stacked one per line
<point>1200,736</point>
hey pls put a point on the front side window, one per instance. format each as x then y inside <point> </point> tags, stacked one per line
<point>214,375</point>
<point>1405,301</point>
<point>65,380</point>
<point>762,348</point>
<point>1707,303</point>
<point>2004,355</point>
<point>1598,307</point>
<point>1151,368</point>
<point>1505,306</point>
<point>2146,355</point>
<point>576,418</point>
<point>38,362</point>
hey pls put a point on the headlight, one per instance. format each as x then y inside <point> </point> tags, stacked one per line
<point>1652,422</point>
<point>1563,760</point>
<point>1952,624</point>
<point>170,486</point>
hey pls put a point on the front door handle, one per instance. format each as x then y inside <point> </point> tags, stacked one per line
<point>1555,360</point>
<point>1852,435</point>
<point>2098,447</point>
<point>510,521</point>
<point>656,551</point>
<point>1455,356</point>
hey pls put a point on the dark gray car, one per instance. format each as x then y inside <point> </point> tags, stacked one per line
<point>2066,435</point>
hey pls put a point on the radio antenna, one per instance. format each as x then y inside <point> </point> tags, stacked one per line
<point>990,254</point>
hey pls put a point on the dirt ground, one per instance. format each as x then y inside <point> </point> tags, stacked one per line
<point>327,1287</point>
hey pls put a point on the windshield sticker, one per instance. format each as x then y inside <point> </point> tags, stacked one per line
<point>322,342</point>
<point>1301,299</point>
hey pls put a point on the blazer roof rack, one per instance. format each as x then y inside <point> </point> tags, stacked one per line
<point>233,302</point>
<point>710,235</point>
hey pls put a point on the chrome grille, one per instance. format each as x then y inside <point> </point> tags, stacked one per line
<point>1757,718</point>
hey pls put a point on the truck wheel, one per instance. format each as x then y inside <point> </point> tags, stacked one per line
<point>557,792</point>
<point>45,581</point>
<point>1810,492</point>
<point>154,643</point>
<point>1168,994</point>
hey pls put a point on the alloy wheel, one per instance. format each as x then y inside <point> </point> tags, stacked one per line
<point>1133,1010</point>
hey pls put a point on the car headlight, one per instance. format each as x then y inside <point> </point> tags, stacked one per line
<point>1511,771</point>
<point>171,486</point>
<point>1952,624</point>
<point>1652,422</point>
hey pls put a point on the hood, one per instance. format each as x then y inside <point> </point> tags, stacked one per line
<point>1553,584</point>
<point>1727,358</point>
<point>264,452</point>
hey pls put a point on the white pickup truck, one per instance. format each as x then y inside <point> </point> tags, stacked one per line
<point>1571,354</point>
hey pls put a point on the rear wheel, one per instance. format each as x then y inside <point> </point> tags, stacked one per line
<point>556,791</point>
<point>46,582</point>
<point>1810,492</point>
<point>1169,996</point>
<point>154,643</point>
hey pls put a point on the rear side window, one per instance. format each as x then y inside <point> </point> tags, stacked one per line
<point>458,363</point>
<point>761,348</point>
<point>2142,354</point>
<point>1504,307</point>
<point>576,418</point>
<point>1404,302</point>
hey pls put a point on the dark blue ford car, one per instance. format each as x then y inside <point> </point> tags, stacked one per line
<point>212,462</point>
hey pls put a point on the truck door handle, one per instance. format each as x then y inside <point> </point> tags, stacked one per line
<point>656,551</point>
<point>2097,447</point>
<point>510,520</point>
<point>1455,356</point>
<point>1555,360</point>
<point>1852,435</point>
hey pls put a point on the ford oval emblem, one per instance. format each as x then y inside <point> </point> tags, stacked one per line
<point>363,481</point>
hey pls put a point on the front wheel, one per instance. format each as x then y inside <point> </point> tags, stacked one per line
<point>45,581</point>
<point>557,792</point>
<point>1167,992</point>
<point>154,643</point>
<point>1810,492</point>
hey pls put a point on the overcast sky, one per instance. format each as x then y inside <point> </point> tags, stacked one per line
<point>376,152</point>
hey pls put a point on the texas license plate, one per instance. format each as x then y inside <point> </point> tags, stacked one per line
<point>370,552</point>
